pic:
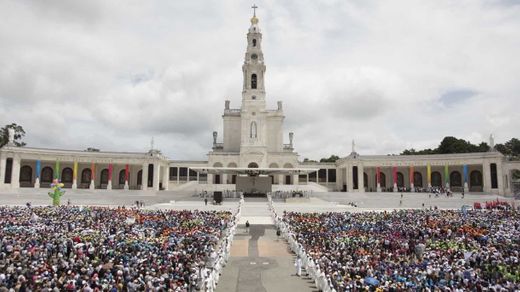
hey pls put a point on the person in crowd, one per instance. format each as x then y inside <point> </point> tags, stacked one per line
<point>298,265</point>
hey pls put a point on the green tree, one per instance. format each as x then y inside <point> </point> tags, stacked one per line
<point>502,149</point>
<point>332,158</point>
<point>309,160</point>
<point>513,146</point>
<point>453,145</point>
<point>19,133</point>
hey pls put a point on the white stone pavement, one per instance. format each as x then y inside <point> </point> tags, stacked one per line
<point>320,202</point>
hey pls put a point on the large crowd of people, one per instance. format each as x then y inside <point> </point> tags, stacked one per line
<point>112,249</point>
<point>427,250</point>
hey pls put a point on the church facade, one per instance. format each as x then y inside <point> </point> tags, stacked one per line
<point>253,138</point>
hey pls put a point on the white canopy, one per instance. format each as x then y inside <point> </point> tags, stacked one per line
<point>253,171</point>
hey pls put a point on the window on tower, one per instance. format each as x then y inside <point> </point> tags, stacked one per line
<point>254,42</point>
<point>253,81</point>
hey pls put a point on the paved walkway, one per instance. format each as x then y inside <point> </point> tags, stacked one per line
<point>259,261</point>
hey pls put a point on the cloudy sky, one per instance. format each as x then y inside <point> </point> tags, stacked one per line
<point>389,74</point>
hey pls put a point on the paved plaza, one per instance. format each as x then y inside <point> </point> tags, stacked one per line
<point>318,202</point>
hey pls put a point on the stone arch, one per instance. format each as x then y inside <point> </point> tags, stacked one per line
<point>254,81</point>
<point>232,165</point>
<point>26,174</point>
<point>455,179</point>
<point>288,165</point>
<point>86,176</point>
<point>140,177</point>
<point>103,178</point>
<point>382,181</point>
<point>218,164</point>
<point>400,179</point>
<point>122,177</point>
<point>475,180</point>
<point>515,174</point>
<point>254,42</point>
<point>436,179</point>
<point>273,165</point>
<point>46,175</point>
<point>417,179</point>
<point>67,175</point>
<point>252,165</point>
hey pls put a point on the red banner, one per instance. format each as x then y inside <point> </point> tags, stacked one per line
<point>110,169</point>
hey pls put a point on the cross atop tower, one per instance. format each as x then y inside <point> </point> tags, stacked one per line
<point>254,9</point>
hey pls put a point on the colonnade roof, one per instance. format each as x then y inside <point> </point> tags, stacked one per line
<point>43,152</point>
<point>426,157</point>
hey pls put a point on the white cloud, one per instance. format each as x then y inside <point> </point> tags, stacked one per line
<point>113,74</point>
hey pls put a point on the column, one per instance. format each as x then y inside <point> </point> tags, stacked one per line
<point>187,174</point>
<point>198,177</point>
<point>486,177</point>
<point>361,179</point>
<point>93,177</point>
<point>210,179</point>
<point>500,179</point>
<point>144,178</point>
<point>156,176</point>
<point>15,174</point>
<point>224,178</point>
<point>350,179</point>
<point>378,179</point>
<point>465,177</point>
<point>38,173</point>
<point>429,176</point>
<point>394,178</point>
<point>75,175</point>
<point>296,179</point>
<point>127,175</point>
<point>412,185</point>
<point>281,179</point>
<point>178,174</point>
<point>327,176</point>
<point>57,170</point>
<point>2,169</point>
<point>110,171</point>
<point>166,177</point>
<point>447,176</point>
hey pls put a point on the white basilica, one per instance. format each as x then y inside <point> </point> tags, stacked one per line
<point>253,142</point>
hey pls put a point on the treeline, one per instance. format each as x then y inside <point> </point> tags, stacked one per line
<point>451,145</point>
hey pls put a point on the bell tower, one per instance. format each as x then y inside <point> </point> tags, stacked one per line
<point>254,124</point>
<point>253,93</point>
